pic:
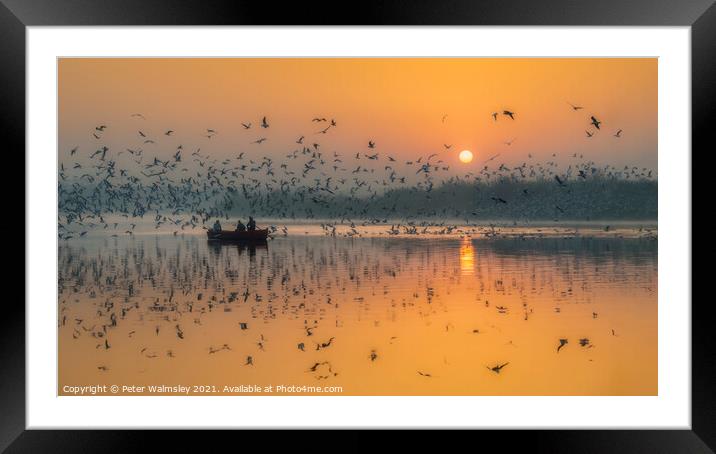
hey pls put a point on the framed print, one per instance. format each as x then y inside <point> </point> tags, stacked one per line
<point>359,223</point>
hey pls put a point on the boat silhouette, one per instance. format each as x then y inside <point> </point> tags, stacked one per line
<point>231,235</point>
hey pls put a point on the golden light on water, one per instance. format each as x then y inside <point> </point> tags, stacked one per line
<point>430,317</point>
<point>465,156</point>
<point>467,257</point>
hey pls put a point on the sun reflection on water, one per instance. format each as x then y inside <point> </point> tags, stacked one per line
<point>467,257</point>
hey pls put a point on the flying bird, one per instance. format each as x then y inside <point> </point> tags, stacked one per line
<point>497,368</point>
<point>562,343</point>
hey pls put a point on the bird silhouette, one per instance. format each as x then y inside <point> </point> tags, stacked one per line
<point>497,368</point>
<point>562,343</point>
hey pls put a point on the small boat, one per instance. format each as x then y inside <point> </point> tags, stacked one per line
<point>232,235</point>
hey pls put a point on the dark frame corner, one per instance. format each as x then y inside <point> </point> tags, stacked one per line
<point>16,15</point>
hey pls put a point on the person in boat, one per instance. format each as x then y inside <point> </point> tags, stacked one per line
<point>240,227</point>
<point>217,226</point>
<point>251,225</point>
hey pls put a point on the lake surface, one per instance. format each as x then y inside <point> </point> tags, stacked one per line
<point>361,315</point>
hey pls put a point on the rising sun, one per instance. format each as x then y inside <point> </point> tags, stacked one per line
<point>465,156</point>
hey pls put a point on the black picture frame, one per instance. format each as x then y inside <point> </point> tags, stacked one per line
<point>16,15</point>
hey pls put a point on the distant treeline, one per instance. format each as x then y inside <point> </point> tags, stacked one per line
<point>598,198</point>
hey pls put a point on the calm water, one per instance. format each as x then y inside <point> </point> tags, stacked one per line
<point>370,315</point>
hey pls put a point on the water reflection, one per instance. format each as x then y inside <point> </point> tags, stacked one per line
<point>241,247</point>
<point>412,316</point>
<point>467,256</point>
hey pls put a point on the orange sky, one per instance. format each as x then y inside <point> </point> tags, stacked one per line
<point>398,103</point>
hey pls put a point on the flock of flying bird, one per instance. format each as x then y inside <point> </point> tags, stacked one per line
<point>184,190</point>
